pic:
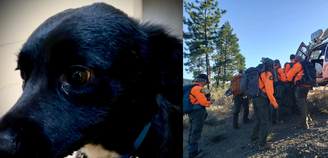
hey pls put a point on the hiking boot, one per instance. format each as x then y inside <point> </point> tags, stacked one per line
<point>197,154</point>
<point>268,145</point>
<point>246,121</point>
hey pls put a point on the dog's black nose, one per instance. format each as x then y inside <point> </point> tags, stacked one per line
<point>7,146</point>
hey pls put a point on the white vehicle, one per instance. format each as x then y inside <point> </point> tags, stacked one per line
<point>317,55</point>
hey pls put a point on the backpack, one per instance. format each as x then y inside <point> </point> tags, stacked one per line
<point>249,84</point>
<point>309,74</point>
<point>235,85</point>
<point>291,65</point>
<point>279,87</point>
<point>187,105</point>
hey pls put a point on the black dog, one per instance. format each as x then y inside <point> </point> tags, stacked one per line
<point>95,78</point>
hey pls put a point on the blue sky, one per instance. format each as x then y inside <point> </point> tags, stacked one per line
<point>271,28</point>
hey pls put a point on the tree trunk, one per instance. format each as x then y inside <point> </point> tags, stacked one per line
<point>208,71</point>
<point>225,69</point>
<point>225,62</point>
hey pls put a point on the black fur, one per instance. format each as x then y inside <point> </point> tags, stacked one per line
<point>136,73</point>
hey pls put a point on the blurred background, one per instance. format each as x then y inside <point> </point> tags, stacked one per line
<point>18,19</point>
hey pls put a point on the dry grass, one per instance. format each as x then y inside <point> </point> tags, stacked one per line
<point>215,134</point>
<point>318,101</point>
<point>270,135</point>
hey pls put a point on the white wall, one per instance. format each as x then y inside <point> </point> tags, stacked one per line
<point>166,12</point>
<point>18,19</point>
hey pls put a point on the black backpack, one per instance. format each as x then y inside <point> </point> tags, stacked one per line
<point>291,64</point>
<point>309,74</point>
<point>249,82</point>
<point>279,87</point>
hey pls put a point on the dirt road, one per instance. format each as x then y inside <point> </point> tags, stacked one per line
<point>287,140</point>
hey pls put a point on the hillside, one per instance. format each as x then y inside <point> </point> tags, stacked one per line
<point>219,139</point>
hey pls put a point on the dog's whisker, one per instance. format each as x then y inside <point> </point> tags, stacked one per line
<point>135,53</point>
<point>62,87</point>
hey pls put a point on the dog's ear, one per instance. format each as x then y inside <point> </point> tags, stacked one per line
<point>163,55</point>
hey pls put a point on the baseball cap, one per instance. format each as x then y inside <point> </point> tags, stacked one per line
<point>203,76</point>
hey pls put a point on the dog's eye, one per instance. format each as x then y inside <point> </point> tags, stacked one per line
<point>77,76</point>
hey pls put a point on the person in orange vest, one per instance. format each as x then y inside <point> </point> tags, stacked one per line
<point>290,65</point>
<point>281,75</point>
<point>276,114</point>
<point>294,75</point>
<point>291,98</point>
<point>261,105</point>
<point>197,115</point>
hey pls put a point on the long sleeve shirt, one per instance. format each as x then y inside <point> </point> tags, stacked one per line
<point>281,75</point>
<point>288,66</point>
<point>296,71</point>
<point>267,83</point>
<point>198,93</point>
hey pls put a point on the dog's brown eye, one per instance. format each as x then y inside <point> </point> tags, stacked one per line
<point>77,76</point>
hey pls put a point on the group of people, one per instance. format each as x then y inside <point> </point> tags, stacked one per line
<point>277,83</point>
<point>271,78</point>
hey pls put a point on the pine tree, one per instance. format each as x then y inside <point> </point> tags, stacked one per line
<point>204,20</point>
<point>227,59</point>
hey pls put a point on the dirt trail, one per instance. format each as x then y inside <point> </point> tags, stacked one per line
<point>287,140</point>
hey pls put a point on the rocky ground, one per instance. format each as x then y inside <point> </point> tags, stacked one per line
<point>287,140</point>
